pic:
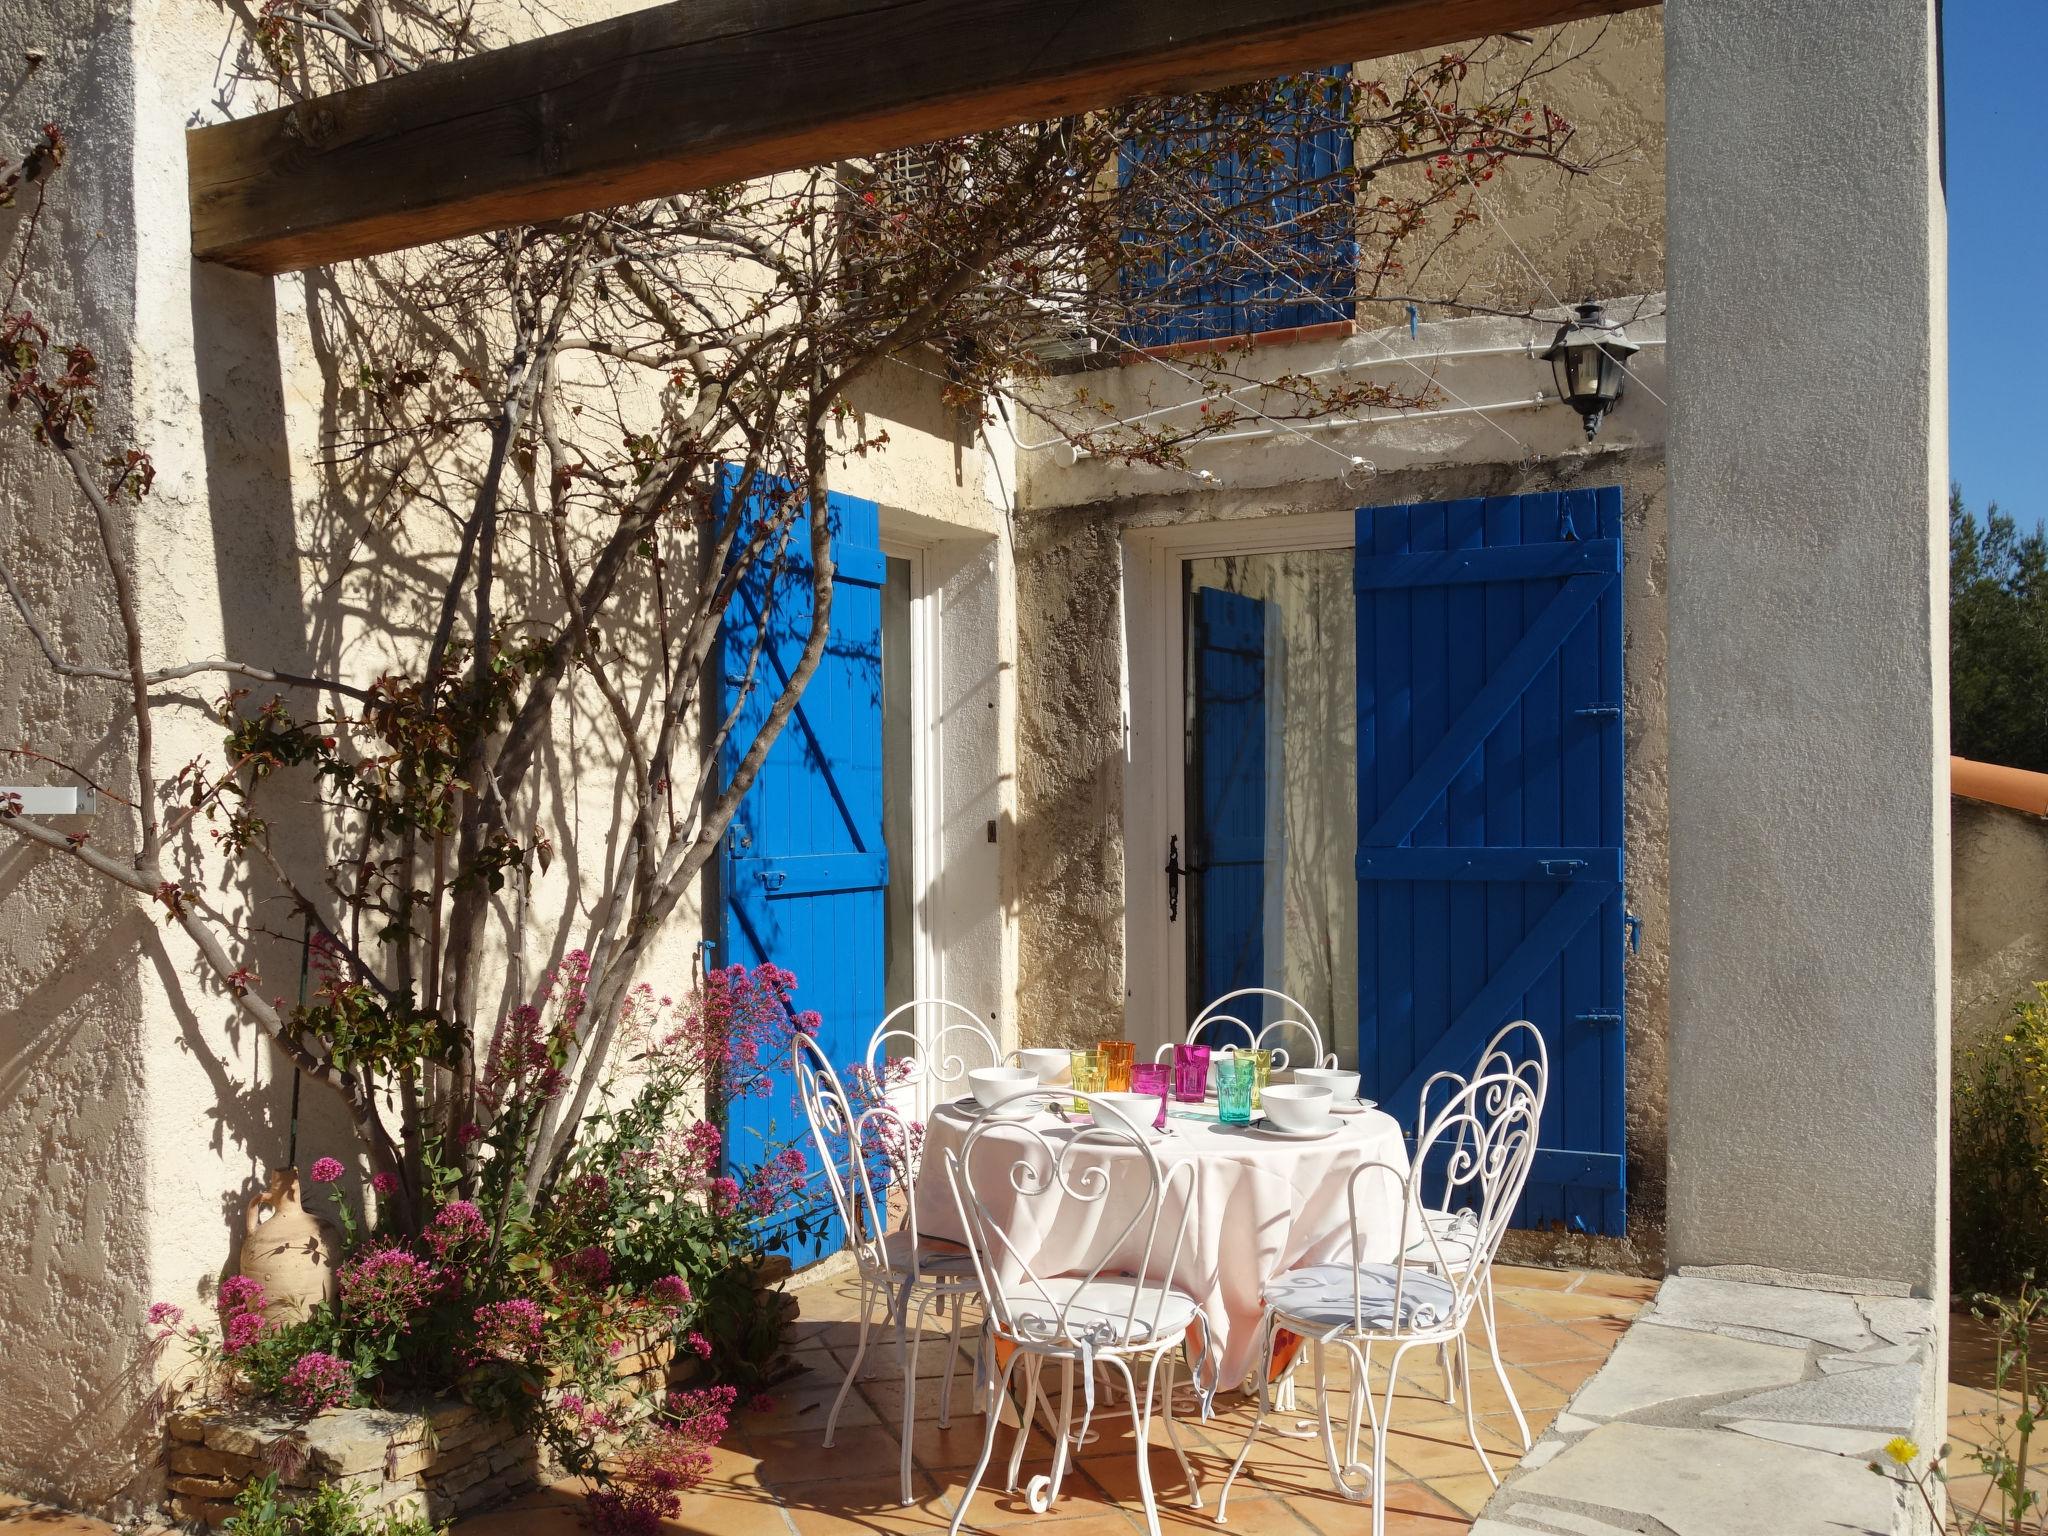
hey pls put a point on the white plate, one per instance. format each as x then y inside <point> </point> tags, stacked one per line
<point>1267,1128</point>
<point>1017,1109</point>
<point>1355,1107</point>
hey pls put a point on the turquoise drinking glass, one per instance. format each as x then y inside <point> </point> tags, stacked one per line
<point>1236,1078</point>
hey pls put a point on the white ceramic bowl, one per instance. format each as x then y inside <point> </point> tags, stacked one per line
<point>1296,1106</point>
<point>1343,1086</point>
<point>1050,1066</point>
<point>993,1085</point>
<point>1132,1112</point>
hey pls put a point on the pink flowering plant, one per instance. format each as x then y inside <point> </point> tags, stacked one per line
<point>526,1304</point>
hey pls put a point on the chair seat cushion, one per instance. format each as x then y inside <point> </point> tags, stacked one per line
<point>937,1259</point>
<point>1454,1233</point>
<point>1107,1313</point>
<point>1321,1296</point>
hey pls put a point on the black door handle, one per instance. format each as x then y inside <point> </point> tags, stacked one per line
<point>1174,870</point>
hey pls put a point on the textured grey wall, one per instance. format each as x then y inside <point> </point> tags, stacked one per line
<point>1808,456</point>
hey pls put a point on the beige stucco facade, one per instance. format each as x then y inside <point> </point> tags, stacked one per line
<point>141,1115</point>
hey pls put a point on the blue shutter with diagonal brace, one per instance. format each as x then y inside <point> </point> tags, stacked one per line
<point>1490,781</point>
<point>805,868</point>
<point>1300,268</point>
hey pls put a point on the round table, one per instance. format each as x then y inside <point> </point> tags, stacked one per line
<point>1262,1206</point>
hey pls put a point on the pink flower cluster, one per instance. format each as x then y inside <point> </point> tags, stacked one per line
<point>774,1183</point>
<point>388,1287</point>
<point>670,1291</point>
<point>241,1312</point>
<point>650,1477</point>
<point>318,1381</point>
<point>529,1047</point>
<point>326,1171</point>
<point>589,1267</point>
<point>509,1330</point>
<point>457,1229</point>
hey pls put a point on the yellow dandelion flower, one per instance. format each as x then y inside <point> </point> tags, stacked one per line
<point>1900,1449</point>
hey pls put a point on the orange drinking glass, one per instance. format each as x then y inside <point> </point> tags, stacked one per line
<point>1117,1057</point>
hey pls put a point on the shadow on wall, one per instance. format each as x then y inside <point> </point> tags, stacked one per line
<point>1999,895</point>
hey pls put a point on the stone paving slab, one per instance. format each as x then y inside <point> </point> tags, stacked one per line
<point>1668,1437</point>
<point>1726,1306</point>
<point>1884,1397</point>
<point>1657,1365</point>
<point>1703,1482</point>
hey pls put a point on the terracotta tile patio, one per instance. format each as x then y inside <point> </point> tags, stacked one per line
<point>774,1479</point>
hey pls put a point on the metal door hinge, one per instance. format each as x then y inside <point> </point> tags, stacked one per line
<point>1599,712</point>
<point>1565,868</point>
<point>1599,1018</point>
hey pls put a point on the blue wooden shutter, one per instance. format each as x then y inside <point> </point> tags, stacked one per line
<point>1231,773</point>
<point>1490,814</point>
<point>1303,272</point>
<point>805,868</point>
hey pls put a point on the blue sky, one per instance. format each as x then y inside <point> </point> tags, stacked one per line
<point>1996,58</point>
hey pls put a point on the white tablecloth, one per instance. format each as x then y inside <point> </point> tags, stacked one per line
<point>1262,1206</point>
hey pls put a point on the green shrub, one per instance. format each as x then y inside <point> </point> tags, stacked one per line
<point>1998,1177</point>
<point>328,1510</point>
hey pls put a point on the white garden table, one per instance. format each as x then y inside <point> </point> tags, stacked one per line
<point>1262,1206</point>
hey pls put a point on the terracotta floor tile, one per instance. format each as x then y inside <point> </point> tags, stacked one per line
<point>1602,1332</point>
<point>798,1456</point>
<point>1565,1306</point>
<point>885,1395</point>
<point>1248,1514</point>
<point>866,1504</point>
<point>1535,1345</point>
<point>22,1518</point>
<point>1630,1287</point>
<point>1441,1450</point>
<point>801,1409</point>
<point>1529,1277</point>
<point>1413,1509</point>
<point>1469,1491</point>
<point>995,1506</point>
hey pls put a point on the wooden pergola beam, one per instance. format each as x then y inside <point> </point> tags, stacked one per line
<point>698,92</point>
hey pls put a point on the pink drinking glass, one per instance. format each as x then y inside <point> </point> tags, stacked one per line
<point>1150,1077</point>
<point>1191,1073</point>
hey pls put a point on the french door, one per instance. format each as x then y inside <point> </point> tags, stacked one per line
<point>1387,761</point>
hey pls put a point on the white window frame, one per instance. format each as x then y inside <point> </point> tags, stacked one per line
<point>1155,715</point>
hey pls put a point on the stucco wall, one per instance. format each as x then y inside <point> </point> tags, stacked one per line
<point>141,1112</point>
<point>1549,235</point>
<point>1999,890</point>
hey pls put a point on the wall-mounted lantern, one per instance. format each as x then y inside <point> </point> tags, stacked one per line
<point>1590,360</point>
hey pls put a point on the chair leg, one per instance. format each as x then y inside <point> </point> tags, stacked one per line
<point>1381,1429</point>
<point>1141,1425</point>
<point>1493,1352</point>
<point>952,1366</point>
<point>988,1447</point>
<point>1033,1395</point>
<point>1471,1423</point>
<point>1252,1434</point>
<point>910,1389</point>
<point>860,1350</point>
<point>1062,1447</point>
<point>1339,1470</point>
<point>1173,1431</point>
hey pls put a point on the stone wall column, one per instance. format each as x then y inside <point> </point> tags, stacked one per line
<point>1809,711</point>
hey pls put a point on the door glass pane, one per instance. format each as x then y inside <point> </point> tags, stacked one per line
<point>1272,786</point>
<point>898,965</point>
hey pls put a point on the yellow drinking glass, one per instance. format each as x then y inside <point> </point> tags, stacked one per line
<point>1262,1074</point>
<point>1087,1074</point>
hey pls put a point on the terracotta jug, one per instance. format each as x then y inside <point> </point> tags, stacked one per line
<point>293,1253</point>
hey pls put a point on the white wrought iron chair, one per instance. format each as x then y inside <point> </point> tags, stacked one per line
<point>1294,1018</point>
<point>1485,1138</point>
<point>856,1143</point>
<point>1450,1223</point>
<point>1123,1313</point>
<point>941,1057</point>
